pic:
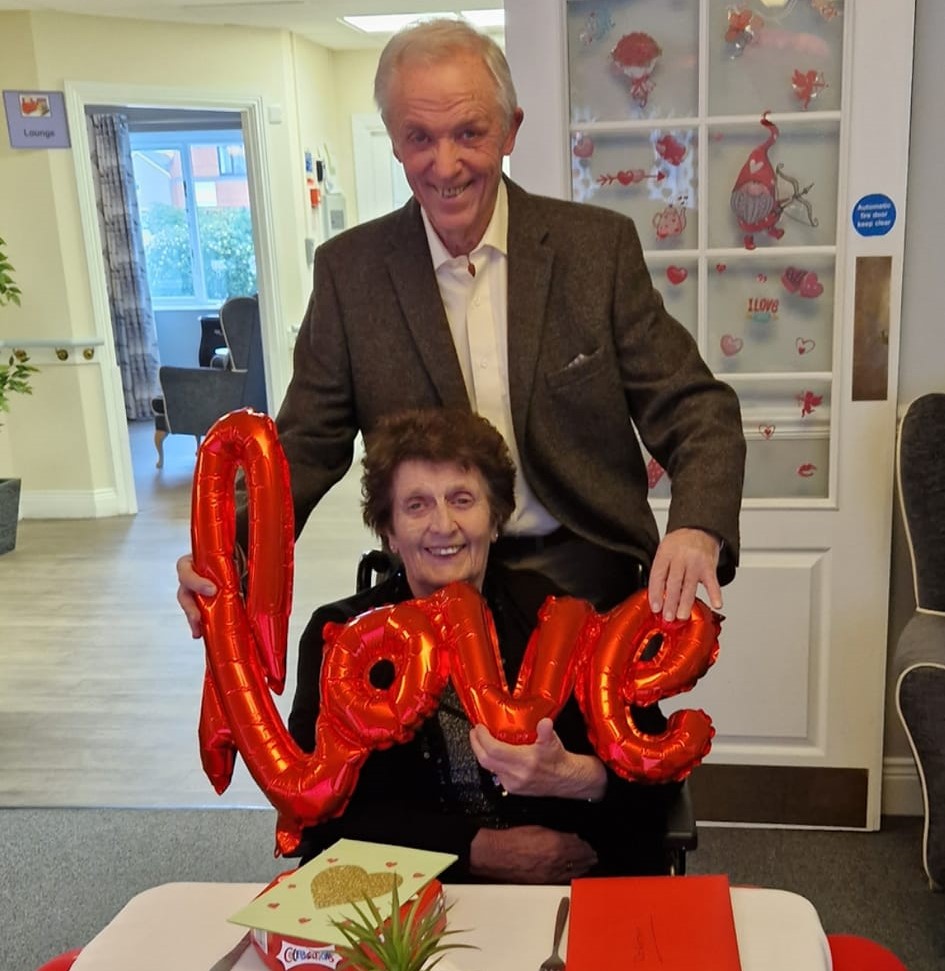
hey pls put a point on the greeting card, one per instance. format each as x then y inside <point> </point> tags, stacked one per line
<point>306,903</point>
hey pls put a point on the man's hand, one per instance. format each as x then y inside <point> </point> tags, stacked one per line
<point>529,854</point>
<point>189,584</point>
<point>685,558</point>
<point>544,768</point>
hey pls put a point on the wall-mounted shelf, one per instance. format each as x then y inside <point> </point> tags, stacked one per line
<point>63,349</point>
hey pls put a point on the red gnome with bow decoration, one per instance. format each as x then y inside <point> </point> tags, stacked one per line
<point>755,199</point>
<point>754,196</point>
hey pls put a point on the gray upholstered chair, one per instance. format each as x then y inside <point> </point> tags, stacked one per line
<point>193,399</point>
<point>919,661</point>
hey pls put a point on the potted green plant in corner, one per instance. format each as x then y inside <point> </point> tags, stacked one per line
<point>14,379</point>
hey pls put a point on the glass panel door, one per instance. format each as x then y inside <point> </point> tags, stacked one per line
<point>667,97</point>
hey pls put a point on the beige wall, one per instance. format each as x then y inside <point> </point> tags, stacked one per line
<point>57,441</point>
<point>316,112</point>
<point>354,75</point>
<point>31,194</point>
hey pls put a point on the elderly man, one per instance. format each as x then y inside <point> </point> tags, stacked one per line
<point>538,314</point>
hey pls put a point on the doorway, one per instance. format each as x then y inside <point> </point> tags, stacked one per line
<point>151,103</point>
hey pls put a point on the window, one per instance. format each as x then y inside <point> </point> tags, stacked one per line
<point>193,197</point>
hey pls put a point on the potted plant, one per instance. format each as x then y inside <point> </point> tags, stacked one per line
<point>14,379</point>
<point>414,942</point>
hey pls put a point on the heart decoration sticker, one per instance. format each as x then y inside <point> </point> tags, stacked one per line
<point>342,884</point>
<point>805,283</point>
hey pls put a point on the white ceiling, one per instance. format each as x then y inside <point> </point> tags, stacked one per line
<point>314,19</point>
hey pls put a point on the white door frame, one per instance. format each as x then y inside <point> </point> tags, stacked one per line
<point>380,187</point>
<point>79,95</point>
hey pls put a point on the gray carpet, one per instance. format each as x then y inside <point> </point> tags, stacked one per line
<point>67,872</point>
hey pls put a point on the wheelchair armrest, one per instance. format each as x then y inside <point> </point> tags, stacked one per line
<point>681,830</point>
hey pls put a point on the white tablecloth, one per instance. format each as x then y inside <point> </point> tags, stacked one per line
<point>184,927</point>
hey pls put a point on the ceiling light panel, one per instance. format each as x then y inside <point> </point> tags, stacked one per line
<point>485,19</point>
<point>389,23</point>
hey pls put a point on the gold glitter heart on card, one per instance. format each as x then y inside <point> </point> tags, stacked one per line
<point>343,884</point>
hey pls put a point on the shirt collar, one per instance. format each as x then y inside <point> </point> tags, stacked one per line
<point>496,234</point>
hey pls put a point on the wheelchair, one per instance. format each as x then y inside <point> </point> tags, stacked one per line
<point>680,835</point>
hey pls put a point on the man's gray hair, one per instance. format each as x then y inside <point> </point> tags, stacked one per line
<point>433,41</point>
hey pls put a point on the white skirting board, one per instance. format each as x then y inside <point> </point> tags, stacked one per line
<point>902,794</point>
<point>63,504</point>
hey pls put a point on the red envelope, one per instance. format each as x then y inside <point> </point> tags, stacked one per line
<point>658,923</point>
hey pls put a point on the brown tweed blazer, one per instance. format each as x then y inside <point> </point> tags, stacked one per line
<point>591,349</point>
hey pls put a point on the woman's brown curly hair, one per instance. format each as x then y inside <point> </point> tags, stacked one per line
<point>434,435</point>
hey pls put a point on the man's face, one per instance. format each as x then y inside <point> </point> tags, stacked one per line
<point>450,135</point>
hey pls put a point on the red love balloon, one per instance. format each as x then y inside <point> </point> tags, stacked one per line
<point>248,440</point>
<point>449,634</point>
<point>614,676</point>
<point>246,641</point>
<point>381,717</point>
<point>546,673</point>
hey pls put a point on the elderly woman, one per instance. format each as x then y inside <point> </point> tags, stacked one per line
<point>437,488</point>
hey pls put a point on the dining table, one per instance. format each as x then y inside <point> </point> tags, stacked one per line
<point>185,927</point>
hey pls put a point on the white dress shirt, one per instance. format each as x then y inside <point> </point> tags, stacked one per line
<point>477,310</point>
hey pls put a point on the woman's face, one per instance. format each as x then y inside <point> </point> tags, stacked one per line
<point>441,524</point>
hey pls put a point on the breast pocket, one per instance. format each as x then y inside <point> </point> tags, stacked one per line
<point>579,368</point>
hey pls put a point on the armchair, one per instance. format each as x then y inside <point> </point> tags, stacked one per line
<point>192,399</point>
<point>919,660</point>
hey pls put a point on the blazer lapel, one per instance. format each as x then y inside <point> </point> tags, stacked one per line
<point>414,280</point>
<point>530,263</point>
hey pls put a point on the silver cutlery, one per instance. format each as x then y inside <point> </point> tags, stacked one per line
<point>554,962</point>
<point>228,961</point>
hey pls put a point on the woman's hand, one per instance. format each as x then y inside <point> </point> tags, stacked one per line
<point>544,768</point>
<point>529,854</point>
<point>189,584</point>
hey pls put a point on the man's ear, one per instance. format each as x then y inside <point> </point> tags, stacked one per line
<point>518,117</point>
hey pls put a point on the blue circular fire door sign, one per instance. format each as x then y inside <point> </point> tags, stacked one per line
<point>874,215</point>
